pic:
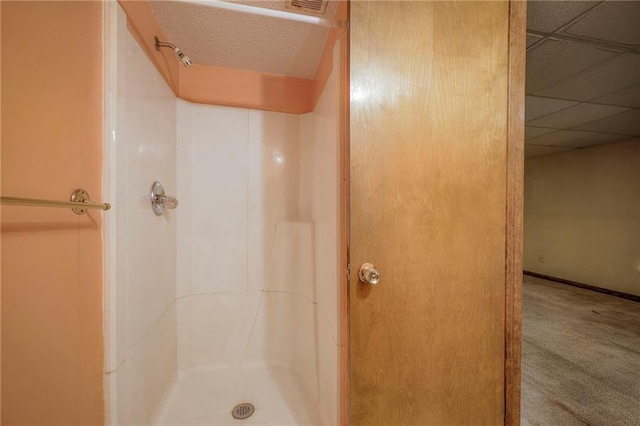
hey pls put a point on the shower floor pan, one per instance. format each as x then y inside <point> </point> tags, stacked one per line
<point>206,396</point>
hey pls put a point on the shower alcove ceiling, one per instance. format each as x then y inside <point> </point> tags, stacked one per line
<point>232,39</point>
<point>242,301</point>
<point>241,57</point>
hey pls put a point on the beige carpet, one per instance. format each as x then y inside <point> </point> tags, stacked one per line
<point>580,357</point>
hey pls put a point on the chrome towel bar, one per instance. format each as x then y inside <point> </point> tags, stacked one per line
<point>80,202</point>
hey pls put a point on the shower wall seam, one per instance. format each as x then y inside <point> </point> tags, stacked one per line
<point>253,326</point>
<point>244,292</point>
<point>108,372</point>
<point>151,326</point>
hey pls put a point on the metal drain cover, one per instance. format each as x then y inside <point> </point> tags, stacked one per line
<point>243,410</point>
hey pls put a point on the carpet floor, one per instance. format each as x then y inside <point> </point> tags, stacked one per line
<point>580,357</point>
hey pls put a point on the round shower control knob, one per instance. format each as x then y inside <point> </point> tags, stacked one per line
<point>368,274</point>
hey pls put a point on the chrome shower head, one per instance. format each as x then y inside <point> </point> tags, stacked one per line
<point>184,58</point>
<point>186,61</point>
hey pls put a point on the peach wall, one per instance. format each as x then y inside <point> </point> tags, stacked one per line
<point>52,359</point>
<point>246,89</point>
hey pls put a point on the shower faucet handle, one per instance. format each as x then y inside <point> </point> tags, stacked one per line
<point>160,201</point>
<point>168,201</point>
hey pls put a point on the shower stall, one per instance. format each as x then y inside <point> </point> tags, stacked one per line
<point>228,305</point>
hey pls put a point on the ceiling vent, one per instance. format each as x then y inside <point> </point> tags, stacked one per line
<point>311,7</point>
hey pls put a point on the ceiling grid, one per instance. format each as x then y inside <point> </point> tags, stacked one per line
<point>583,74</point>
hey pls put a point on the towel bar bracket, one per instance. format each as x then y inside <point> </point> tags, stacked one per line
<point>80,196</point>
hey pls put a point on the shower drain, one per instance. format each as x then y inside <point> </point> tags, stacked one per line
<point>243,410</point>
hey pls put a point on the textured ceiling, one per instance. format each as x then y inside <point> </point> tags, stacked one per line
<point>583,74</point>
<point>231,39</point>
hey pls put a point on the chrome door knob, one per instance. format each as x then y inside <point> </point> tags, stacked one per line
<point>368,274</point>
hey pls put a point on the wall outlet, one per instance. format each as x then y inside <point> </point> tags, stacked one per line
<point>541,258</point>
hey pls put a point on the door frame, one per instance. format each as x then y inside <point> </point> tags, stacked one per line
<point>513,219</point>
<point>514,213</point>
<point>343,227</point>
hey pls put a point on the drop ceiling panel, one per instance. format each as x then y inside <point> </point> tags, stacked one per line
<point>548,16</point>
<point>626,123</point>
<point>576,115</point>
<point>574,139</point>
<point>590,138</point>
<point>552,61</point>
<point>629,97</point>
<point>605,82</point>
<point>536,107</point>
<point>616,21</point>
<point>532,39</point>
<point>557,138</point>
<point>532,132</point>
<point>536,151</point>
<point>550,139</point>
<point>232,39</point>
<point>605,78</point>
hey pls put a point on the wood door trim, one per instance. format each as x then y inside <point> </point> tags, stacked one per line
<point>343,380</point>
<point>515,188</point>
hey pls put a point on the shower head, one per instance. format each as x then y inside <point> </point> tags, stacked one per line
<point>183,58</point>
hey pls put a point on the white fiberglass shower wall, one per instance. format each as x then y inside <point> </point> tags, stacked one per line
<point>243,307</point>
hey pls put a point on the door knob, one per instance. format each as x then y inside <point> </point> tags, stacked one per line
<point>368,274</point>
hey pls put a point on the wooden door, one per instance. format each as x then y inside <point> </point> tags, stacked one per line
<point>435,170</point>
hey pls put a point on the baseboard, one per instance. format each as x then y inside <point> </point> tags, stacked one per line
<point>621,294</point>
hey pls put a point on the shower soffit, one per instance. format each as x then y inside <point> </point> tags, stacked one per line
<point>236,40</point>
